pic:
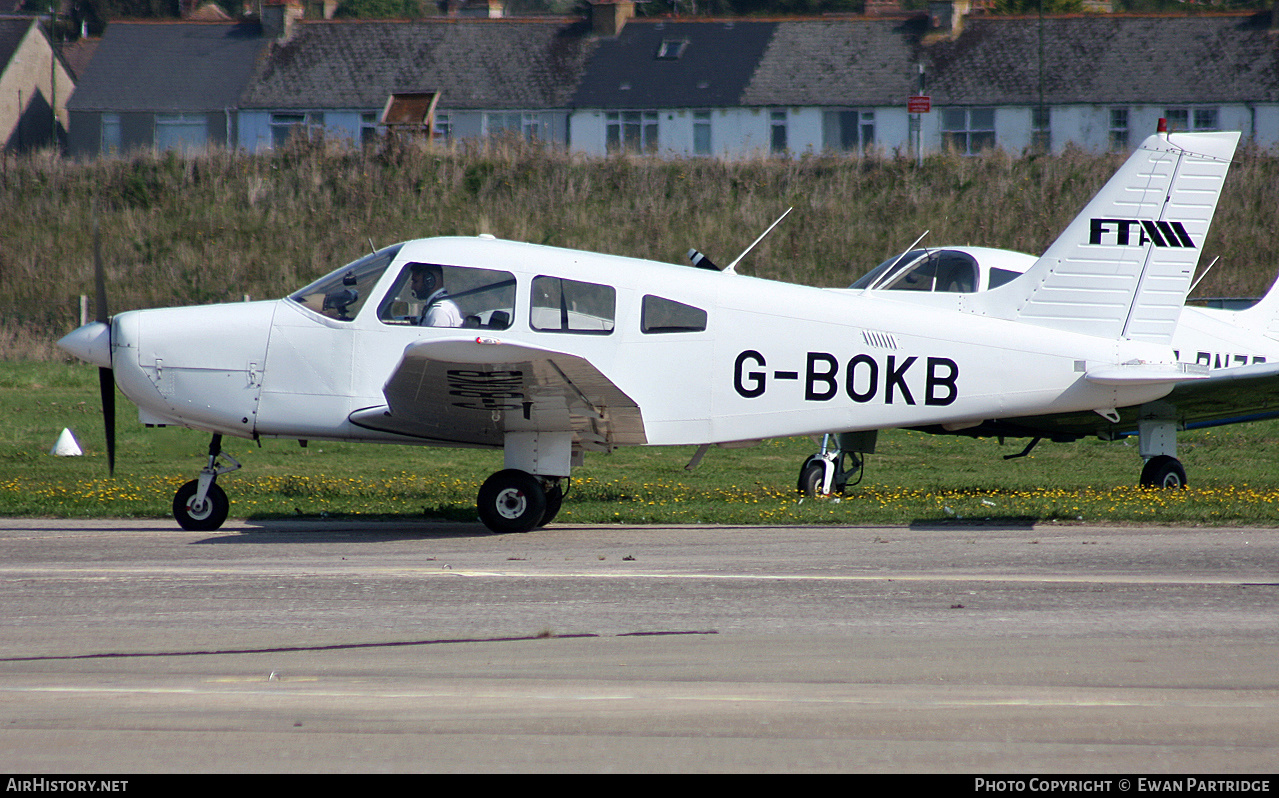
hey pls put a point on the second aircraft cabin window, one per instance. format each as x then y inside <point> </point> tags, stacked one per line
<point>561,305</point>
<point>659,315</point>
<point>434,295</point>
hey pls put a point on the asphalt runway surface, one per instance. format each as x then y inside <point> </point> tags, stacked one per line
<point>331,646</point>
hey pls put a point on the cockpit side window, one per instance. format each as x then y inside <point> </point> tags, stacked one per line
<point>561,305</point>
<point>340,294</point>
<point>437,295</point>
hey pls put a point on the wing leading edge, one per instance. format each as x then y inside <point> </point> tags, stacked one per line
<point>471,392</point>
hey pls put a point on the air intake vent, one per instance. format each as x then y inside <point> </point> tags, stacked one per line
<point>879,339</point>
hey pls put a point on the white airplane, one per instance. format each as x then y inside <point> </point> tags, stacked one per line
<point>562,352</point>
<point>1240,348</point>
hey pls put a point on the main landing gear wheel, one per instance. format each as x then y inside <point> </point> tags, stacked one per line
<point>512,501</point>
<point>205,516</point>
<point>1163,471</point>
<point>554,498</point>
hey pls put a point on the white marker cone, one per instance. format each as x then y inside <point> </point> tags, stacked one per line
<point>67,445</point>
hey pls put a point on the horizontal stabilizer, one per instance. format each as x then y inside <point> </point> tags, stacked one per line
<point>1145,373</point>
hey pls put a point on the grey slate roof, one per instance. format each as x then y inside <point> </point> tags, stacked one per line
<point>838,62</point>
<point>524,64</point>
<point>12,31</point>
<point>170,67</point>
<point>713,70</point>
<point>1109,59</point>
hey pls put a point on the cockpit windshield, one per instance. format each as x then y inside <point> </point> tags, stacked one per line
<point>341,294</point>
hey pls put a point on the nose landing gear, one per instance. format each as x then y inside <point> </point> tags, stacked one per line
<point>200,505</point>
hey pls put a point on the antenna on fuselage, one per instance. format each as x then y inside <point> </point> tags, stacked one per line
<point>730,268</point>
<point>893,269</point>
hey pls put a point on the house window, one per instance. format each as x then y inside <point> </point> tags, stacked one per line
<point>1118,129</point>
<point>777,132</point>
<point>634,131</point>
<point>183,132</point>
<point>848,130</point>
<point>521,124</point>
<point>443,130</point>
<point>369,132</point>
<point>701,132</point>
<point>1041,128</point>
<point>1184,119</point>
<point>968,130</point>
<point>111,132</point>
<point>286,125</point>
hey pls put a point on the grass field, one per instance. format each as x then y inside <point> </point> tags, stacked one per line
<point>913,478</point>
<point>222,225</point>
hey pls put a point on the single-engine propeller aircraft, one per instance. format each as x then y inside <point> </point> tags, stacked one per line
<point>1240,348</point>
<point>549,353</point>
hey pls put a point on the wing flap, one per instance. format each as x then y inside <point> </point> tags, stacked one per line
<point>472,391</point>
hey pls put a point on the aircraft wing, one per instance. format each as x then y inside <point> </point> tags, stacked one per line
<point>1226,396</point>
<point>471,391</point>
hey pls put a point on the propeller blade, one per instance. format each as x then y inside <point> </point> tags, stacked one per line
<point>106,386</point>
<point>106,377</point>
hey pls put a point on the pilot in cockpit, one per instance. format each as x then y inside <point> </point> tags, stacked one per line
<point>427,283</point>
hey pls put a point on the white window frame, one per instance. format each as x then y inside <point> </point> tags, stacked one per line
<point>862,135</point>
<point>703,140</point>
<point>285,123</point>
<point>1192,118</point>
<point>184,132</point>
<point>969,136</point>
<point>778,131</point>
<point>631,131</point>
<point>1118,129</point>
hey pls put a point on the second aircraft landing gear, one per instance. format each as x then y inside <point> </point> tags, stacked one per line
<point>200,505</point>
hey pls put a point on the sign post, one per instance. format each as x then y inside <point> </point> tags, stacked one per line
<point>917,105</point>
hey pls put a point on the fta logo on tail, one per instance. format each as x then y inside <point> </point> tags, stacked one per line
<point>1138,232</point>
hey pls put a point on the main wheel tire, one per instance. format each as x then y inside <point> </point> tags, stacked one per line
<point>511,501</point>
<point>811,478</point>
<point>205,517</point>
<point>554,499</point>
<point>1163,471</point>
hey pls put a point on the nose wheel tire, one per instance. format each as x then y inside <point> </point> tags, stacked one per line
<point>511,501</point>
<point>203,517</point>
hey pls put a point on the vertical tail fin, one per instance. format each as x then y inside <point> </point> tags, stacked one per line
<point>1123,267</point>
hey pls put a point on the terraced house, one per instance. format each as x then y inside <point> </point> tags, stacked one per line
<point>694,86</point>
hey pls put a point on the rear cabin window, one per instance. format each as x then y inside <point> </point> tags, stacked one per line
<point>436,295</point>
<point>661,315</point>
<point>560,305</point>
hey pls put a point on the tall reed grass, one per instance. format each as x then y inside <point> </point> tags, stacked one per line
<point>222,225</point>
